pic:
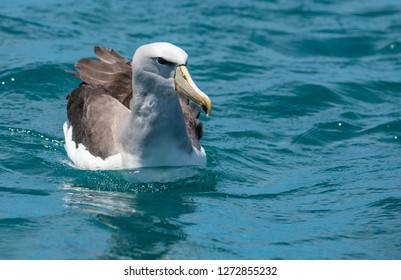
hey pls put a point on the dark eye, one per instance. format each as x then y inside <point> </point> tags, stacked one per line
<point>163,61</point>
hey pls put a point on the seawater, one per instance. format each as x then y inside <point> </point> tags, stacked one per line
<point>303,144</point>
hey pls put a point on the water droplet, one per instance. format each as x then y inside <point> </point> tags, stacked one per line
<point>12,79</point>
<point>395,137</point>
<point>2,83</point>
<point>339,124</point>
<point>392,46</point>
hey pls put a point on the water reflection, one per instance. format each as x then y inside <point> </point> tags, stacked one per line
<point>143,219</point>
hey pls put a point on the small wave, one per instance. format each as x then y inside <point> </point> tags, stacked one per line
<point>326,133</point>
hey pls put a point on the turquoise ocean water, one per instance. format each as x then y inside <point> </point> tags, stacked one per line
<point>304,143</point>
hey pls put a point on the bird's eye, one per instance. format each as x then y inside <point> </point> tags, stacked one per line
<point>163,61</point>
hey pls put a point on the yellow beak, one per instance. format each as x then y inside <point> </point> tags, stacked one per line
<point>184,85</point>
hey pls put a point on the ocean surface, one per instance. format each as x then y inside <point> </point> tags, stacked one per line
<point>303,145</point>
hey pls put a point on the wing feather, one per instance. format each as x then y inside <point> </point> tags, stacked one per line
<point>111,71</point>
<point>95,117</point>
<point>109,56</point>
<point>191,112</point>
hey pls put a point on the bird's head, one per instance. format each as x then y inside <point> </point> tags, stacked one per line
<point>165,65</point>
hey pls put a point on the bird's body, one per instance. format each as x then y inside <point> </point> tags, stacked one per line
<point>130,115</point>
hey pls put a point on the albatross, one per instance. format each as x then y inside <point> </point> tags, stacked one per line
<point>144,113</point>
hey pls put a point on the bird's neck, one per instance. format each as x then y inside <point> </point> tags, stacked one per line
<point>155,127</point>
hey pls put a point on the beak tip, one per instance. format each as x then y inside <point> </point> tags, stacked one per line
<point>207,110</point>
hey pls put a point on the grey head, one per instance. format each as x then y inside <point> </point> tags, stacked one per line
<point>159,69</point>
<point>154,67</point>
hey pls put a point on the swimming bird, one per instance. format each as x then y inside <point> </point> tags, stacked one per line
<point>144,113</point>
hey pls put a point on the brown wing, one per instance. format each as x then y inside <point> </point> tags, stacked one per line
<point>95,117</point>
<point>191,113</point>
<point>111,72</point>
<point>107,82</point>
